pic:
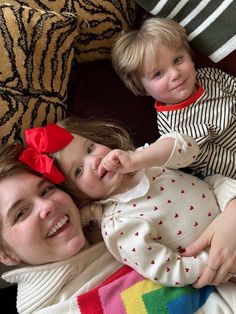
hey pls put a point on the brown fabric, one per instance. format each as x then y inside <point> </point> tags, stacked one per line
<point>36,55</point>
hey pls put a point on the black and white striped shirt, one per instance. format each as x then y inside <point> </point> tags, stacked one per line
<point>210,118</point>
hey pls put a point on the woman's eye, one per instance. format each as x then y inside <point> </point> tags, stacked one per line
<point>78,171</point>
<point>47,189</point>
<point>90,148</point>
<point>21,214</point>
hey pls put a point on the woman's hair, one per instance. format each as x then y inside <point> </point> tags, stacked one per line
<point>135,51</point>
<point>9,163</point>
<point>105,133</point>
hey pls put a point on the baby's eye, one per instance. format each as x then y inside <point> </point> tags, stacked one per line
<point>90,148</point>
<point>78,171</point>
<point>178,60</point>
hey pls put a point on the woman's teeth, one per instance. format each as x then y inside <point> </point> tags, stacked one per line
<point>58,226</point>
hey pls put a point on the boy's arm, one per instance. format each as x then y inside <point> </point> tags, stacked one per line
<point>224,189</point>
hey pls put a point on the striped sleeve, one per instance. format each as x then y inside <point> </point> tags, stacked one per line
<point>210,24</point>
<point>210,121</point>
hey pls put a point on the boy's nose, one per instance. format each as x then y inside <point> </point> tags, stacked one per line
<point>175,73</point>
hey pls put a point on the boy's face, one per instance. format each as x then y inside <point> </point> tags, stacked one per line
<point>173,79</point>
<point>80,161</point>
<point>40,223</point>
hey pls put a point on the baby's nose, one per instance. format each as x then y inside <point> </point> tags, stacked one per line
<point>95,162</point>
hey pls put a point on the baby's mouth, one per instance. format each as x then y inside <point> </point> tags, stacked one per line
<point>57,228</point>
<point>103,173</point>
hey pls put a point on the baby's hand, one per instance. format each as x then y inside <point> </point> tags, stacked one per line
<point>117,161</point>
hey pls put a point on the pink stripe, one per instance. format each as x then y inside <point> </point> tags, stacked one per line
<point>110,294</point>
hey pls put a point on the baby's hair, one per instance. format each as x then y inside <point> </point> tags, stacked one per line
<point>135,51</point>
<point>106,133</point>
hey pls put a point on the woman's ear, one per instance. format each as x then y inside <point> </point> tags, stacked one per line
<point>8,260</point>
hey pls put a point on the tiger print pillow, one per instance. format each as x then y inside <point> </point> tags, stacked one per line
<point>103,21</point>
<point>36,54</point>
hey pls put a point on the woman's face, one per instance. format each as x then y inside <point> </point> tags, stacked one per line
<point>40,223</point>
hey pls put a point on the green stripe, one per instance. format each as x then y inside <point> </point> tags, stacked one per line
<point>187,9</point>
<point>147,5</point>
<point>167,8</point>
<point>155,301</point>
<point>203,15</point>
<point>218,33</point>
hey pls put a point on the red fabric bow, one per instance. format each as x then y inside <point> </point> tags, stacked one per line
<point>42,141</point>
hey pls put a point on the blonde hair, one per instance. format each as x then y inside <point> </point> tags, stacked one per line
<point>106,133</point>
<point>135,50</point>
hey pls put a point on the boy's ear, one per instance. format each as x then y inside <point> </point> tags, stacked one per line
<point>8,260</point>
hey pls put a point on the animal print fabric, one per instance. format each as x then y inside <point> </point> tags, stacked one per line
<point>36,55</point>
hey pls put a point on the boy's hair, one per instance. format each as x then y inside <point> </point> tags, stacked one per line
<point>136,50</point>
<point>103,132</point>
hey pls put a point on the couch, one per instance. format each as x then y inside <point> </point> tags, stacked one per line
<point>86,84</point>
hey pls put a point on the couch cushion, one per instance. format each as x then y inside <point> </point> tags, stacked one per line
<point>104,20</point>
<point>36,55</point>
<point>211,25</point>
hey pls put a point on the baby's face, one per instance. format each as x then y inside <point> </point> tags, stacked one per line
<point>173,79</point>
<point>40,223</point>
<point>80,161</point>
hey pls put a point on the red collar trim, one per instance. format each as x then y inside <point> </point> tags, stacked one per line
<point>160,107</point>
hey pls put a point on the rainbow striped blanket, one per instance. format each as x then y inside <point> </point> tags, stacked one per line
<point>127,292</point>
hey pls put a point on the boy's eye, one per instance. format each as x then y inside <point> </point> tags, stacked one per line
<point>90,148</point>
<point>157,74</point>
<point>178,60</point>
<point>78,171</point>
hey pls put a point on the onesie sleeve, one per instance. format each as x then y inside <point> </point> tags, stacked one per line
<point>224,189</point>
<point>184,152</point>
<point>132,242</point>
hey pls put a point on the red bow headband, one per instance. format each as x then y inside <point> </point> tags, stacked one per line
<point>42,141</point>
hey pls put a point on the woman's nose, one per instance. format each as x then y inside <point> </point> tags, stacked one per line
<point>46,208</point>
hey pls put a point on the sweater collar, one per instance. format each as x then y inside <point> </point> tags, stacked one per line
<point>39,285</point>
